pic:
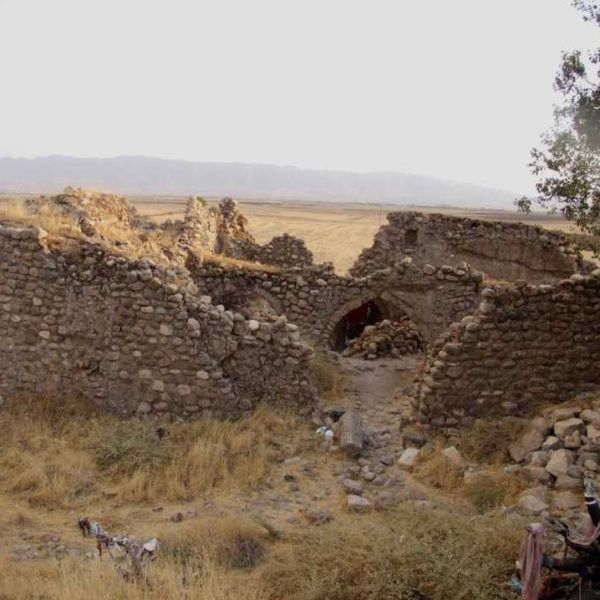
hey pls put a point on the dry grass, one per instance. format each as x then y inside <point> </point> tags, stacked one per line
<point>50,218</point>
<point>55,461</point>
<point>407,554</point>
<point>227,262</point>
<point>77,579</point>
<point>487,440</point>
<point>328,378</point>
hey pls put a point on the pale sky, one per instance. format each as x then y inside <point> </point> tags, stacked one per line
<point>458,89</point>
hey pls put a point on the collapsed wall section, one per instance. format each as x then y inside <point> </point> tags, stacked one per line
<point>134,337</point>
<point>525,345</point>
<point>317,299</point>
<point>502,251</point>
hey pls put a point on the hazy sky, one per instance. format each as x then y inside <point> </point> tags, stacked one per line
<point>458,89</point>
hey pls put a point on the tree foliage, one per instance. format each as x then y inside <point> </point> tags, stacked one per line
<point>568,164</point>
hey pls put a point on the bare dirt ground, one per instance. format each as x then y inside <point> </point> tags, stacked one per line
<point>335,232</point>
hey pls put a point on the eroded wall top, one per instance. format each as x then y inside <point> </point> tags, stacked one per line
<point>502,251</point>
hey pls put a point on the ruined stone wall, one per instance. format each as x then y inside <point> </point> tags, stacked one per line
<point>525,344</point>
<point>134,337</point>
<point>285,251</point>
<point>317,299</point>
<point>502,251</point>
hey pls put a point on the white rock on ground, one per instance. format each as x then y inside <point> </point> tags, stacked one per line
<point>409,458</point>
<point>358,503</point>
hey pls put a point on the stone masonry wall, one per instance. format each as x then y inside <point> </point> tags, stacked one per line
<point>525,344</point>
<point>317,299</point>
<point>503,251</point>
<point>134,337</point>
<point>285,251</point>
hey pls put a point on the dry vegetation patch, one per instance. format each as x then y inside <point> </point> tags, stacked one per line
<point>52,460</point>
<point>406,554</point>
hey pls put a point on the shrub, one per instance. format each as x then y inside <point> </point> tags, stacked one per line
<point>490,490</point>
<point>327,376</point>
<point>487,440</point>
<point>406,554</point>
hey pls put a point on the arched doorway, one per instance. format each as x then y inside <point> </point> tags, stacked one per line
<point>350,322</point>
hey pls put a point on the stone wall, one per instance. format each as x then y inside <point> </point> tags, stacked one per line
<point>134,336</point>
<point>525,344</point>
<point>502,251</point>
<point>285,251</point>
<point>317,299</point>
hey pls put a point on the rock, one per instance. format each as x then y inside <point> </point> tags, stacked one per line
<point>552,443</point>
<point>567,427</point>
<point>539,458</point>
<point>409,458</point>
<point>358,503</point>
<point>533,505</point>
<point>413,439</point>
<point>177,517</point>
<point>387,460</point>
<point>573,441</point>
<point>351,433</point>
<point>538,474</point>
<point>542,425</point>
<point>529,441</point>
<point>560,461</point>
<point>592,433</point>
<point>564,501</point>
<point>454,457</point>
<point>562,414</point>
<point>564,482</point>
<point>590,417</point>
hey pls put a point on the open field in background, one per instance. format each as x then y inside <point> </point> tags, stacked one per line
<point>334,232</point>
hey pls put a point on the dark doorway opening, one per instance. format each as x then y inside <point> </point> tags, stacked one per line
<point>354,323</point>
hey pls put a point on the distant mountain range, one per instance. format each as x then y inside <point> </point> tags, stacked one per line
<point>140,175</point>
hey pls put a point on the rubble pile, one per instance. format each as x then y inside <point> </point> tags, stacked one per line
<point>561,446</point>
<point>387,338</point>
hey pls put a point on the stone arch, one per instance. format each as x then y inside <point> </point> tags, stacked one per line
<point>369,308</point>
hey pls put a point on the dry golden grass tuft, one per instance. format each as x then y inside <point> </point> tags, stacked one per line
<point>407,553</point>
<point>52,460</point>
<point>77,579</point>
<point>227,262</point>
<point>50,218</point>
<point>328,377</point>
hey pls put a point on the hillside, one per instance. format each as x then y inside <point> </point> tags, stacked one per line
<point>145,175</point>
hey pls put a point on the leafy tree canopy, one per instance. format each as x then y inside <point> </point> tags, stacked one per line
<point>568,163</point>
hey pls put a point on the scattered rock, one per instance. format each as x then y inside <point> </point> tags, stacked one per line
<point>351,433</point>
<point>409,458</point>
<point>358,503</point>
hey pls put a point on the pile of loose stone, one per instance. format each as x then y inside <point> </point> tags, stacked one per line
<point>561,446</point>
<point>387,338</point>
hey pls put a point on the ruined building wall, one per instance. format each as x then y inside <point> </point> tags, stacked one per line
<point>285,251</point>
<point>132,337</point>
<point>502,251</point>
<point>317,298</point>
<point>525,344</point>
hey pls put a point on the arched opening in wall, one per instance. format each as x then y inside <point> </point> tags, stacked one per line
<point>376,328</point>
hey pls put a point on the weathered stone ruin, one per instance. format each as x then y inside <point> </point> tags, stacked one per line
<point>194,318</point>
<point>502,251</point>
<point>135,336</point>
<point>525,344</point>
